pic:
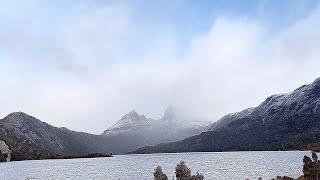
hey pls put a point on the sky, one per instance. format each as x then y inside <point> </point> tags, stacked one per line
<point>84,64</point>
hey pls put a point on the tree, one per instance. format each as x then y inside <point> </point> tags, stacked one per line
<point>184,173</point>
<point>159,175</point>
<point>311,167</point>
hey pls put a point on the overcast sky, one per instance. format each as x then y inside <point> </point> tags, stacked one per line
<point>84,64</point>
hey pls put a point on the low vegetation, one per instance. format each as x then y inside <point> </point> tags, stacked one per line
<point>182,173</point>
<point>90,155</point>
<point>311,169</point>
<point>159,175</point>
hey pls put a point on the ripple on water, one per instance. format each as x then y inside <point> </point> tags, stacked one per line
<point>213,165</point>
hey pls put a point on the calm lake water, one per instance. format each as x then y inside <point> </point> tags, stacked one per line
<point>220,165</point>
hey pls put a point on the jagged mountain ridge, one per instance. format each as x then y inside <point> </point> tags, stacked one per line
<point>130,121</point>
<point>147,131</point>
<point>30,138</point>
<point>285,121</point>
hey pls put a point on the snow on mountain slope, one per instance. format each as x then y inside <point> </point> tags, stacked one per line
<point>170,127</point>
<point>128,123</point>
<point>279,105</point>
<point>282,122</point>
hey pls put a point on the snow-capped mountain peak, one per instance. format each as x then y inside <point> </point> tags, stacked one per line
<point>171,127</point>
<point>132,115</point>
<point>130,121</point>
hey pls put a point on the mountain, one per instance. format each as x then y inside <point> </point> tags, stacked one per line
<point>30,138</point>
<point>135,130</point>
<point>131,123</point>
<point>285,121</point>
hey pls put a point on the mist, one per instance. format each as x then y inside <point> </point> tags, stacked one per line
<point>86,66</point>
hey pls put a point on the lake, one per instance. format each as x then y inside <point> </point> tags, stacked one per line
<point>213,165</point>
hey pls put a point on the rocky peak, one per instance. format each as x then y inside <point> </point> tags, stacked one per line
<point>18,119</point>
<point>132,119</point>
<point>16,115</point>
<point>169,114</point>
<point>315,87</point>
<point>132,115</point>
<point>317,81</point>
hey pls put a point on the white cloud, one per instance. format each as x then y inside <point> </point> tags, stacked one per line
<point>97,63</point>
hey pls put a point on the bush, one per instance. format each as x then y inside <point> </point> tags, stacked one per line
<point>311,167</point>
<point>159,175</point>
<point>182,173</point>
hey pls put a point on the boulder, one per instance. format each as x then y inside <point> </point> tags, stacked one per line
<point>5,152</point>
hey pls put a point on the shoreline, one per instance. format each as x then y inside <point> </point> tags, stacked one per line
<point>100,155</point>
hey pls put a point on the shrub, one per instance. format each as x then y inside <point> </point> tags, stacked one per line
<point>311,167</point>
<point>184,173</point>
<point>159,175</point>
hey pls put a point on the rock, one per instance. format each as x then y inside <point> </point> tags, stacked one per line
<point>5,152</point>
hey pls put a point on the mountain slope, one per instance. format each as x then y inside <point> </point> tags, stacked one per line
<point>29,138</point>
<point>138,131</point>
<point>287,121</point>
<point>128,123</point>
